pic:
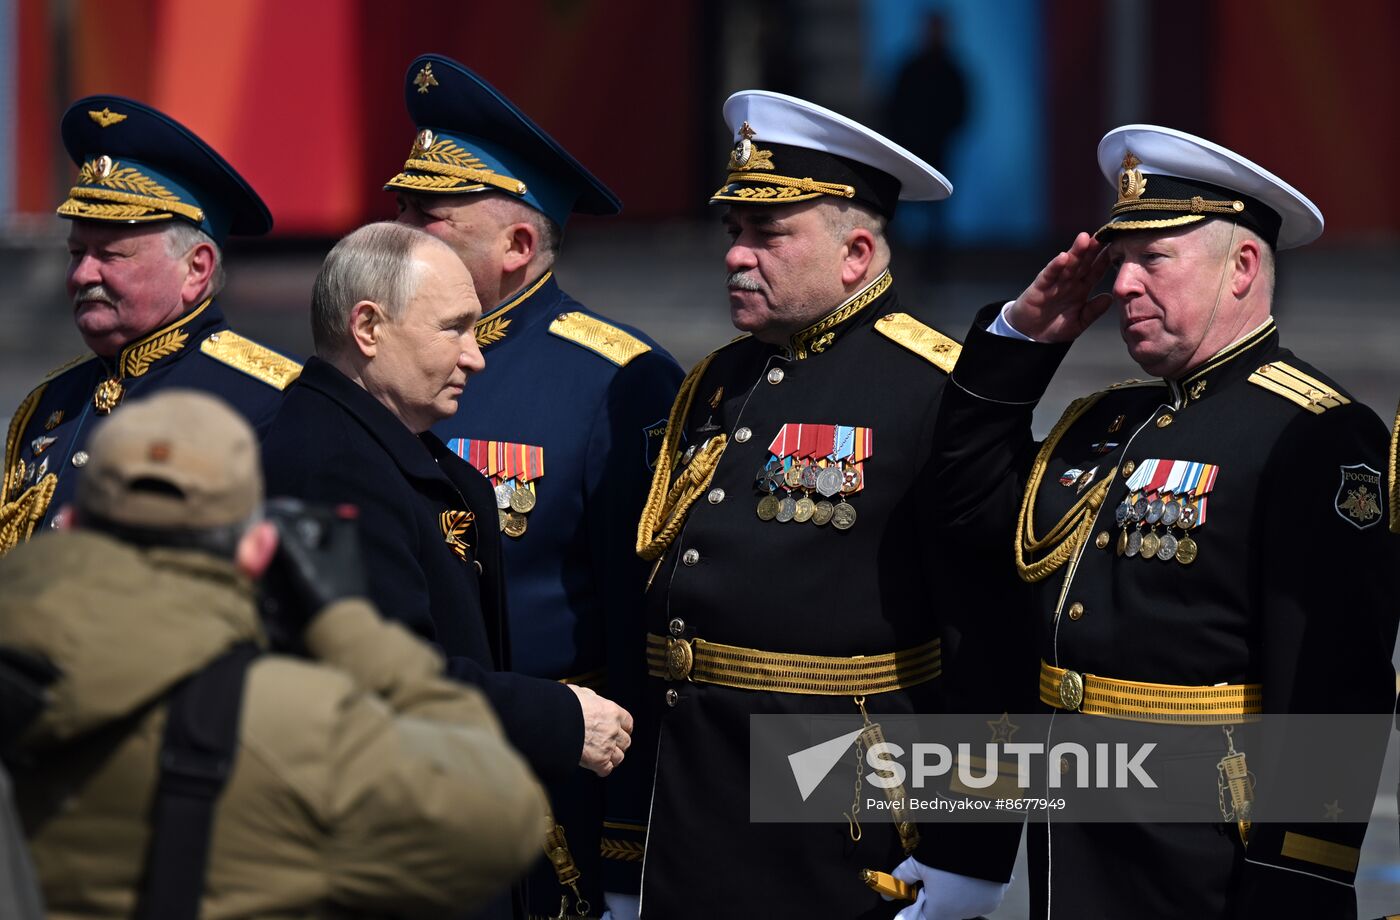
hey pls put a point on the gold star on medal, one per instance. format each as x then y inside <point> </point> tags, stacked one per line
<point>1003,728</point>
<point>1332,811</point>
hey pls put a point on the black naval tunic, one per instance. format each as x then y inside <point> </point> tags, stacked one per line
<point>45,447</point>
<point>882,585</point>
<point>1285,581</point>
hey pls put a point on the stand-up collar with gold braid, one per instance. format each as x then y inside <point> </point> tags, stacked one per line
<point>493,326</point>
<point>1233,362</point>
<point>822,334</point>
<point>138,357</point>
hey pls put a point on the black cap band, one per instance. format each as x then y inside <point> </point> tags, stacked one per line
<point>800,174</point>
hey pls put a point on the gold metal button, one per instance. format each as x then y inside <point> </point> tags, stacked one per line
<point>1101,541</point>
<point>1128,469</point>
<point>1076,610</point>
<point>1164,421</point>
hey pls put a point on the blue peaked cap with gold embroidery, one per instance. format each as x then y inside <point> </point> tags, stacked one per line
<point>139,165</point>
<point>471,138</point>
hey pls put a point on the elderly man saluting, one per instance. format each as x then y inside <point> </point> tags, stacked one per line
<point>151,207</point>
<point>393,318</point>
<point>1206,546</point>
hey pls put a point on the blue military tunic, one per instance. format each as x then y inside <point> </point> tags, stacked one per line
<point>576,405</point>
<point>46,444</point>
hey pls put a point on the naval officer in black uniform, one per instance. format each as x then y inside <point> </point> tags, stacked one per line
<point>794,573</point>
<point>1207,546</point>
<point>566,421</point>
<point>151,207</point>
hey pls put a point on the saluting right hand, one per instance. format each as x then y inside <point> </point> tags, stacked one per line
<point>1057,307</point>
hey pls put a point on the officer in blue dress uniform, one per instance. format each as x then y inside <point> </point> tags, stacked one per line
<point>151,207</point>
<point>1206,547</point>
<point>565,421</point>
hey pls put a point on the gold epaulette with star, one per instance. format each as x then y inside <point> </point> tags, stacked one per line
<point>251,358</point>
<point>925,341</point>
<point>598,337</point>
<point>1285,380</point>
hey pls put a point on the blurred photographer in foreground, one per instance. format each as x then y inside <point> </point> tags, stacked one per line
<point>358,782</point>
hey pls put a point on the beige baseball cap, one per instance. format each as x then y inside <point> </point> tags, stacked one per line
<point>180,459</point>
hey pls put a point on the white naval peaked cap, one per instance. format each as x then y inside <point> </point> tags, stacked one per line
<point>814,151</point>
<point>1166,177</point>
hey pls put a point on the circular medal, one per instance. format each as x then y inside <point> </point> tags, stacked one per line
<point>792,477</point>
<point>1154,511</point>
<point>522,500</point>
<point>1150,544</point>
<point>503,496</point>
<point>1134,543</point>
<point>501,515</point>
<point>1122,541</point>
<point>1120,514</point>
<point>843,516</point>
<point>1140,509</point>
<point>829,481</point>
<point>1188,517</point>
<point>1167,550</point>
<point>767,508</point>
<point>821,515</point>
<point>804,510</point>
<point>1186,551</point>
<point>1171,512</point>
<point>851,480</point>
<point>787,508</point>
<point>809,477</point>
<point>515,523</point>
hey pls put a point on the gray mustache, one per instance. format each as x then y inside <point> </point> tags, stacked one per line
<point>94,292</point>
<point>744,282</point>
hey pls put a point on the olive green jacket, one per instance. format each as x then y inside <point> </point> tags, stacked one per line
<point>365,784</point>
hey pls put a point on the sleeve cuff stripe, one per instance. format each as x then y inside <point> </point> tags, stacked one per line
<point>1320,852</point>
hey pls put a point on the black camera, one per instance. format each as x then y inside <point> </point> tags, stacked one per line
<point>318,562</point>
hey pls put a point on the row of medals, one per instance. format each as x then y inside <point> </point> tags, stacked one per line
<point>512,504</point>
<point>1169,512</point>
<point>827,481</point>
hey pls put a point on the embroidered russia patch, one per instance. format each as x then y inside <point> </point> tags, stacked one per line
<point>1359,496</point>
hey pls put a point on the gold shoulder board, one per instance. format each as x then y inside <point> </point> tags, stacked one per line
<point>1133,382</point>
<point>597,336</point>
<point>1297,387</point>
<point>67,366</point>
<point>925,341</point>
<point>1394,491</point>
<point>251,358</point>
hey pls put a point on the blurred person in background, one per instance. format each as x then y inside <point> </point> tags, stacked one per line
<point>177,772</point>
<point>795,573</point>
<point>566,420</point>
<point>151,208</point>
<point>1278,600</point>
<point>393,318</point>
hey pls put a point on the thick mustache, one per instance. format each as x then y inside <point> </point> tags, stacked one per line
<point>94,292</point>
<point>743,281</point>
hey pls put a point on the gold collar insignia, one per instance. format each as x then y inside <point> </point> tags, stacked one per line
<point>819,336</point>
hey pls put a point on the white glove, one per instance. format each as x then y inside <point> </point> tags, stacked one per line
<point>621,906</point>
<point>946,896</point>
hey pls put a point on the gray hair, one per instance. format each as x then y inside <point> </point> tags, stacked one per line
<point>182,236</point>
<point>374,263</point>
<point>844,216</point>
<point>1222,232</point>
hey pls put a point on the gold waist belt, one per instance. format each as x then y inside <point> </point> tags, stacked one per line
<point>752,669</point>
<point>1143,702</point>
